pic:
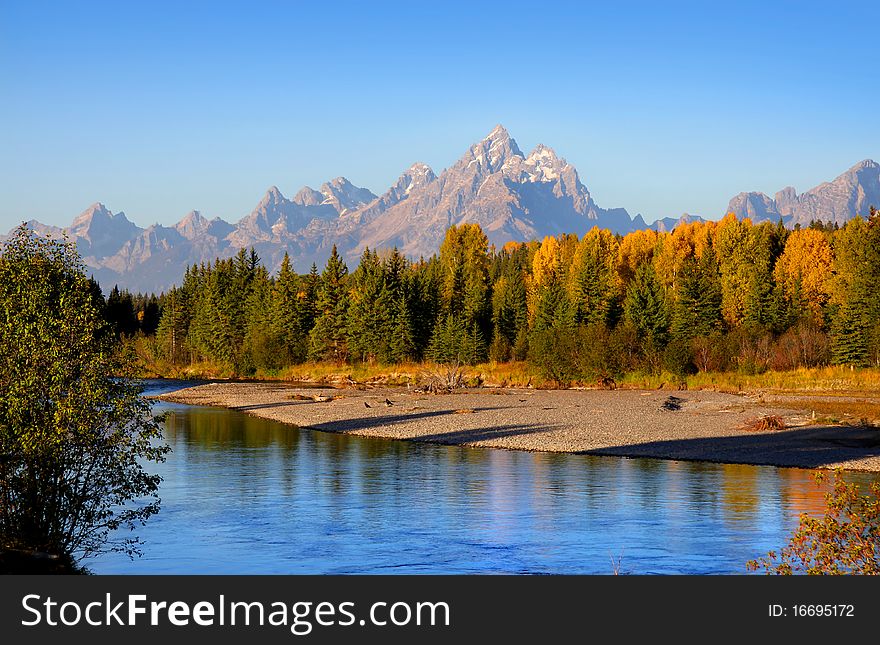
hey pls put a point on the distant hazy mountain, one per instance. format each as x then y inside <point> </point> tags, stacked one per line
<point>851,194</point>
<point>667,224</point>
<point>511,195</point>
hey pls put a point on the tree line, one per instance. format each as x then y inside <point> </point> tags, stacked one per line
<point>708,296</point>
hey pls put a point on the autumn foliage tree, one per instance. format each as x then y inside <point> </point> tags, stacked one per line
<point>707,296</point>
<point>844,540</point>
<point>804,271</point>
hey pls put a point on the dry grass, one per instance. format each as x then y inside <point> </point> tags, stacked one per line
<point>333,373</point>
<point>515,374</point>
<point>837,380</point>
<point>852,412</point>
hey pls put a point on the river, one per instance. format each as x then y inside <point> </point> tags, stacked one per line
<point>248,495</point>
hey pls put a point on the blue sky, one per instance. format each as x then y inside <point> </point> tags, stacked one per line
<point>158,108</point>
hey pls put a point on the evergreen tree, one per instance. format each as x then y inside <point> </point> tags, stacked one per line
<point>423,291</point>
<point>221,311</point>
<point>454,343</point>
<point>855,292</point>
<point>395,267</point>
<point>261,340</point>
<point>308,299</point>
<point>465,288</point>
<point>287,317</point>
<point>148,315</point>
<point>120,313</point>
<point>697,310</point>
<point>370,311</point>
<point>645,308</point>
<point>761,306</point>
<point>763,300</point>
<point>97,297</point>
<point>402,347</point>
<point>237,280</point>
<point>554,309</point>
<point>850,331</point>
<point>593,278</point>
<point>171,332</point>
<point>328,336</point>
<point>510,316</point>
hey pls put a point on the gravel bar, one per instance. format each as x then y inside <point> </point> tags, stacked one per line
<point>689,425</point>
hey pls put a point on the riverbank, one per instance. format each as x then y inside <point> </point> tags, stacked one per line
<point>689,425</point>
<point>520,374</point>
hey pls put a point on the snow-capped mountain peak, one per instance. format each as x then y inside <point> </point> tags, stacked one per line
<point>544,165</point>
<point>510,195</point>
<point>490,153</point>
<point>345,196</point>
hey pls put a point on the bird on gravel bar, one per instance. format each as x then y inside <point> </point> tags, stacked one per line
<point>388,403</point>
<point>367,405</point>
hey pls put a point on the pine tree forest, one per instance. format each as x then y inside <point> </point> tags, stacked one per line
<point>707,297</point>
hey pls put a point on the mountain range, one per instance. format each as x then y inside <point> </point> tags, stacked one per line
<point>850,194</point>
<point>510,194</point>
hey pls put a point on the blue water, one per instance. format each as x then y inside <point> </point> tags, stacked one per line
<point>246,495</point>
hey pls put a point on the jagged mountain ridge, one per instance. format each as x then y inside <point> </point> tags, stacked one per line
<point>851,193</point>
<point>513,196</point>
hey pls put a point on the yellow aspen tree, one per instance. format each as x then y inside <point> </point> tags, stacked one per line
<point>636,249</point>
<point>804,269</point>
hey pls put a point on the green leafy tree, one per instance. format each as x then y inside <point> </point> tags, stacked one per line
<point>599,353</point>
<point>553,352</point>
<point>75,436</point>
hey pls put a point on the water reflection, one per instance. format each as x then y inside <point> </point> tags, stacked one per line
<point>246,495</point>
